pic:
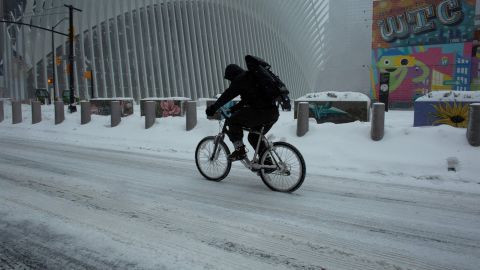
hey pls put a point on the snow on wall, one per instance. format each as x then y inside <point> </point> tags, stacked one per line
<point>451,96</point>
<point>334,96</point>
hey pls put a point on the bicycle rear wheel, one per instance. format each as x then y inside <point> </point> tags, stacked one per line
<point>213,169</point>
<point>291,169</point>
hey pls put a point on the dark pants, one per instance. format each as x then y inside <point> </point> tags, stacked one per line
<point>251,118</point>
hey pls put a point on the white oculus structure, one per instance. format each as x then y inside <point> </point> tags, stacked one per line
<point>166,48</point>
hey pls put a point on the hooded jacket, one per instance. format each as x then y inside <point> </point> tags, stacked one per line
<point>242,84</point>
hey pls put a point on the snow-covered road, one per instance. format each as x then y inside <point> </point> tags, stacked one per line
<point>69,207</point>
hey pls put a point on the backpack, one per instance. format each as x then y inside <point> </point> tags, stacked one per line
<point>271,88</point>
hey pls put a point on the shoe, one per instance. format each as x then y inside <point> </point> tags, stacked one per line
<point>239,154</point>
<point>268,161</point>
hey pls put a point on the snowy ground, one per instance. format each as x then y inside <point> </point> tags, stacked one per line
<point>96,197</point>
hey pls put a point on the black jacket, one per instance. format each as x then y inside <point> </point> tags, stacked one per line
<point>245,86</point>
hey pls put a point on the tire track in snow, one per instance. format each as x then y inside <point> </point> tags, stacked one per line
<point>251,207</point>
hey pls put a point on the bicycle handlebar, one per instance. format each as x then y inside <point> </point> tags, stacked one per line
<point>224,112</point>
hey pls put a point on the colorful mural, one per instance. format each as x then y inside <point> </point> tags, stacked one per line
<point>424,45</point>
<point>169,108</point>
<point>165,107</point>
<point>337,112</point>
<point>476,62</point>
<point>422,22</point>
<point>102,106</point>
<point>441,113</point>
<point>417,70</point>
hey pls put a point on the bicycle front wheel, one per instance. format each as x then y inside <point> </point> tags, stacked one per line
<point>216,168</point>
<point>290,172</point>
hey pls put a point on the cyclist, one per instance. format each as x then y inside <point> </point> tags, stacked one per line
<point>251,112</point>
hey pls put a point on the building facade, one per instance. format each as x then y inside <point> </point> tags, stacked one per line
<point>424,46</point>
<point>159,48</point>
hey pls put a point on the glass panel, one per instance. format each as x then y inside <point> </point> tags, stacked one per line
<point>123,55</point>
<point>137,37</point>
<point>79,68</point>
<point>99,69</point>
<point>40,74</point>
<point>106,60</point>
<point>114,58</point>
<point>88,61</point>
<point>131,55</point>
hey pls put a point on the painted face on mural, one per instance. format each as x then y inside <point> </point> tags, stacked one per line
<point>395,62</point>
<point>398,66</point>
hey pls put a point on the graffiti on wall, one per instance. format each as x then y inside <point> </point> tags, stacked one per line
<point>454,114</point>
<point>476,62</point>
<point>337,112</point>
<point>169,108</point>
<point>103,106</point>
<point>165,107</point>
<point>422,22</point>
<point>420,69</point>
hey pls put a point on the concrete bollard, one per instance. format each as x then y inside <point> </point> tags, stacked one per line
<point>86,114</point>
<point>59,112</point>
<point>473,129</point>
<point>191,112</point>
<point>115,113</point>
<point>149,114</point>
<point>302,118</point>
<point>36,112</point>
<point>16,112</point>
<point>2,116</point>
<point>378,121</point>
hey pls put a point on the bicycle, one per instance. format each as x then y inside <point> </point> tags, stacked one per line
<point>281,166</point>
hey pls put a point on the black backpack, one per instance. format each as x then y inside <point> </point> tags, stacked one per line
<point>271,88</point>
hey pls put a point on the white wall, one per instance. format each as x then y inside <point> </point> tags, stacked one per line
<point>348,51</point>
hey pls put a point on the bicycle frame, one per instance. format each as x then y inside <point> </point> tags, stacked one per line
<point>280,165</point>
<point>253,164</point>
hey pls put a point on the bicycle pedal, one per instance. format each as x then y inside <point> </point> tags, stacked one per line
<point>232,159</point>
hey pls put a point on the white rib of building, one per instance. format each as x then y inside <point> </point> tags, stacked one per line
<point>162,48</point>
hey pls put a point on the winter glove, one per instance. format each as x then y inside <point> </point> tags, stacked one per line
<point>237,106</point>
<point>210,111</point>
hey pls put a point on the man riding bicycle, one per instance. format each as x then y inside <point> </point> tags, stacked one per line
<point>251,112</point>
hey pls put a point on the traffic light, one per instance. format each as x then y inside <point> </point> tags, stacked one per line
<point>50,80</point>
<point>87,74</point>
<point>58,60</point>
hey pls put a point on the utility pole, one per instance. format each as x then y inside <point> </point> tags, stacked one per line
<point>42,28</point>
<point>91,83</point>
<point>3,83</point>
<point>54,75</point>
<point>72,108</point>
<point>54,64</point>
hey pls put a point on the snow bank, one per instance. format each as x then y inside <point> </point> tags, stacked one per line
<point>451,96</point>
<point>334,96</point>
<point>406,154</point>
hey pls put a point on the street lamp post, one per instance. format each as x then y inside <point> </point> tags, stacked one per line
<point>72,108</point>
<point>54,79</point>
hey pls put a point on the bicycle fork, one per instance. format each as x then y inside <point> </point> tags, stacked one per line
<point>219,138</point>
